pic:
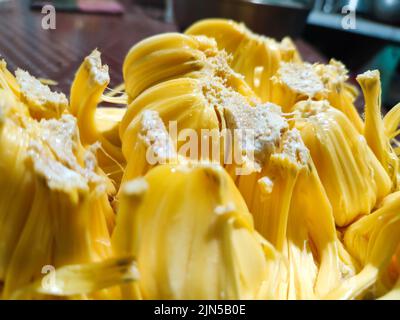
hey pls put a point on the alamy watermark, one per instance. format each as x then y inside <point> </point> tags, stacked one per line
<point>235,147</point>
<point>49,281</point>
<point>49,19</point>
<point>349,21</point>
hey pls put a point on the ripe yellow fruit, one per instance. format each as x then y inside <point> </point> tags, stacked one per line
<point>230,169</point>
<point>374,130</point>
<point>343,159</point>
<point>203,246</point>
<point>256,57</point>
<point>54,207</point>
<point>15,178</point>
<point>97,125</point>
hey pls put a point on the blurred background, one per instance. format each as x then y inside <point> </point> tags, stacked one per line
<point>113,26</point>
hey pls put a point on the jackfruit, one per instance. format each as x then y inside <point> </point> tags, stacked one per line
<point>236,171</point>
<point>15,179</point>
<point>374,241</point>
<point>254,56</point>
<point>208,251</point>
<point>374,131</point>
<point>67,194</point>
<point>63,216</point>
<point>343,159</point>
<point>41,101</point>
<point>266,150</point>
<point>87,90</point>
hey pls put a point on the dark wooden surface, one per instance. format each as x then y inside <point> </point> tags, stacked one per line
<point>56,54</point>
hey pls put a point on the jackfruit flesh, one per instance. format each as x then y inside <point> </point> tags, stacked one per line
<point>256,57</point>
<point>15,179</point>
<point>195,100</point>
<point>295,82</point>
<point>208,251</point>
<point>278,156</point>
<point>373,240</point>
<point>57,189</point>
<point>287,194</point>
<point>55,208</point>
<point>41,101</point>
<point>344,161</point>
<point>7,79</point>
<point>172,56</point>
<point>95,124</point>
<point>338,91</point>
<point>374,131</point>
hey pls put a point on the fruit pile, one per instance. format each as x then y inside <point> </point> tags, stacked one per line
<point>111,203</point>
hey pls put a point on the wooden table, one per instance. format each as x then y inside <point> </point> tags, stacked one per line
<point>56,54</point>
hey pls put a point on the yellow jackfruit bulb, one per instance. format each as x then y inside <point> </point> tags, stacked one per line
<point>15,179</point>
<point>275,285</point>
<point>294,82</point>
<point>276,178</point>
<point>69,219</point>
<point>374,240</point>
<point>227,33</point>
<point>152,146</point>
<point>311,221</point>
<point>344,161</point>
<point>97,125</point>
<point>391,123</point>
<point>82,281</point>
<point>186,106</point>
<point>282,197</point>
<point>144,128</point>
<point>271,207</point>
<point>256,131</point>
<point>160,58</point>
<point>107,122</point>
<point>297,81</point>
<point>41,101</point>
<point>374,130</point>
<point>209,249</point>
<point>340,94</point>
<point>275,172</point>
<point>271,158</point>
<point>7,80</point>
<point>195,103</point>
<point>254,56</point>
<point>173,55</point>
<point>362,235</point>
<point>182,107</point>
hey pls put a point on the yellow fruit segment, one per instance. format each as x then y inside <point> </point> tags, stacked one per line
<point>256,57</point>
<point>97,125</point>
<point>209,249</point>
<point>374,131</point>
<point>343,159</point>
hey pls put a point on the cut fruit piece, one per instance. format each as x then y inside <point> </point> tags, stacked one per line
<point>172,56</point>
<point>374,130</point>
<point>89,84</point>
<point>57,210</point>
<point>254,56</point>
<point>41,101</point>
<point>343,160</point>
<point>209,249</point>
